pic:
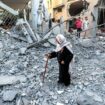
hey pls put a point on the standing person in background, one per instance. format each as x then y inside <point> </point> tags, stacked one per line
<point>61,25</point>
<point>78,25</point>
<point>64,56</point>
<point>85,26</point>
<point>50,22</point>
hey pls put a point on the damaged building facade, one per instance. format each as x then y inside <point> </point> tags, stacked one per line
<point>69,9</point>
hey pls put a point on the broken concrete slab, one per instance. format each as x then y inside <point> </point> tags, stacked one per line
<point>89,98</point>
<point>6,103</point>
<point>86,42</point>
<point>46,45</point>
<point>9,62</point>
<point>1,45</point>
<point>8,80</point>
<point>25,101</point>
<point>52,41</point>
<point>47,35</point>
<point>19,101</point>
<point>1,54</point>
<point>9,95</point>
<point>56,29</point>
<point>98,52</point>
<point>23,50</point>
<point>37,37</point>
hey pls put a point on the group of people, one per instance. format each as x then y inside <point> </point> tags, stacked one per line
<point>81,25</point>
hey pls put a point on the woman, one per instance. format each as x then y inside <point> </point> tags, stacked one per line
<point>64,56</point>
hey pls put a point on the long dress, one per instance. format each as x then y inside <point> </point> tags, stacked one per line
<point>66,56</point>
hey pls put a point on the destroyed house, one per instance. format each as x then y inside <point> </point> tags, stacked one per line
<point>71,9</point>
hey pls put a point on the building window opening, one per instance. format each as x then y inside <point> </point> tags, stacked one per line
<point>101,17</point>
<point>59,10</point>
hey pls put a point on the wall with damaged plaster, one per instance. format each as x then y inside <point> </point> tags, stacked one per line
<point>92,11</point>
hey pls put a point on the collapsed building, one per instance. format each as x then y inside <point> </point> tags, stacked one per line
<point>23,17</point>
<point>21,69</point>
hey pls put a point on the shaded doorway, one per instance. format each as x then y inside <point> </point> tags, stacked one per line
<point>101,16</point>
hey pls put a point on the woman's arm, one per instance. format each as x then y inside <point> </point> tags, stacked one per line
<point>52,55</point>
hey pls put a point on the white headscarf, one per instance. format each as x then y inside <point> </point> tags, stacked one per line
<point>62,42</point>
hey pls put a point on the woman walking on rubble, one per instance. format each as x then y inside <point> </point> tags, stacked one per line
<point>64,56</point>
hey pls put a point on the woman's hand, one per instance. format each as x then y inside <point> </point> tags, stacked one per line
<point>48,55</point>
<point>62,62</point>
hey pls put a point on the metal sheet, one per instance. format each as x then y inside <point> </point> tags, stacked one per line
<point>16,4</point>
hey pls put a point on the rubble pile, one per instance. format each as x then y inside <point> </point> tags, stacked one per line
<point>21,73</point>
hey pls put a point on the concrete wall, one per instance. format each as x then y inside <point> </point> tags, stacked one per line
<point>87,13</point>
<point>65,8</point>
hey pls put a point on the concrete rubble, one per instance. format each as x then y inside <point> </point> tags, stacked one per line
<point>21,73</point>
<point>89,98</point>
<point>8,80</point>
<point>9,95</point>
